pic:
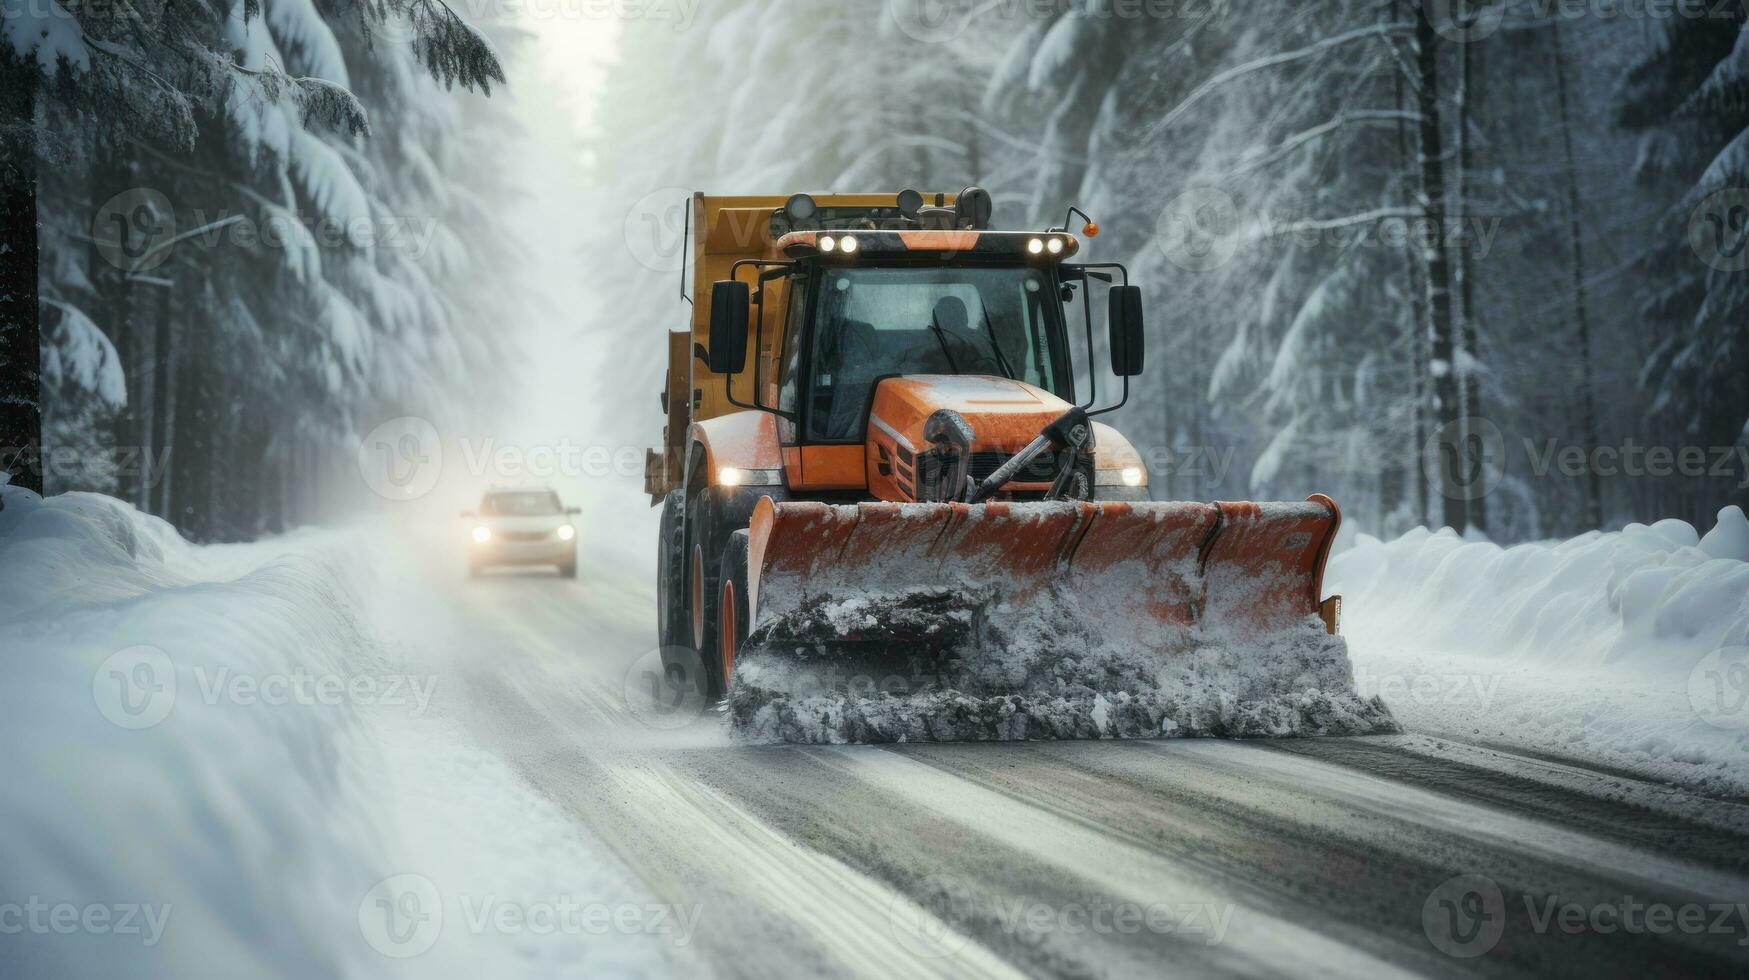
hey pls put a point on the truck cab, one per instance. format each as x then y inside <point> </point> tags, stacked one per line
<point>853,348</point>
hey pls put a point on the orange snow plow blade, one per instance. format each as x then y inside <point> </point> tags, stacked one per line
<point>1144,574</point>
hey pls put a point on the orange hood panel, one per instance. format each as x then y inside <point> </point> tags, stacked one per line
<point>1005,415</point>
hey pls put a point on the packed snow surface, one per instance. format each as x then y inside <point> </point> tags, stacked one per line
<point>1627,650</point>
<point>238,769</point>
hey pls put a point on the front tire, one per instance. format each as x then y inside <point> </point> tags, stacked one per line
<point>732,609</point>
<point>671,573</point>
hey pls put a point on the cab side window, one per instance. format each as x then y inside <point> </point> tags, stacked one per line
<point>789,369</point>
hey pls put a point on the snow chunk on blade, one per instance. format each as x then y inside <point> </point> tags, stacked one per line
<point>913,622</point>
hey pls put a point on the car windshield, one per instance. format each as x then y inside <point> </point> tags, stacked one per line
<point>533,504</point>
<point>875,322</point>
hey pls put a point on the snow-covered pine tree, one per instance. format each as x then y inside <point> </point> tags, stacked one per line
<point>1690,99</point>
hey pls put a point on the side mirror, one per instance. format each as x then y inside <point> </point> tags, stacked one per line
<point>730,301</point>
<point>1124,306</point>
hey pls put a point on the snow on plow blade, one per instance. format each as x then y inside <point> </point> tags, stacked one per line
<point>1042,620</point>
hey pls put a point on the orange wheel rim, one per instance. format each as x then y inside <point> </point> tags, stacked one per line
<point>730,630</point>
<point>697,590</point>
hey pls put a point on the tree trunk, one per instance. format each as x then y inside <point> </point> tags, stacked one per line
<point>1435,261</point>
<point>111,310</point>
<point>1581,321</point>
<point>188,505</point>
<point>20,326</point>
<point>163,351</point>
<point>1470,393</point>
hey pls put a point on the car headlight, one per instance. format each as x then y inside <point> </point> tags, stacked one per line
<point>482,534</point>
<point>566,532</point>
<point>1133,476</point>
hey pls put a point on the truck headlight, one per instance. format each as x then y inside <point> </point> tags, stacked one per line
<point>847,245</point>
<point>828,243</point>
<point>1133,476</point>
<point>728,476</point>
<point>566,532</point>
<point>482,534</point>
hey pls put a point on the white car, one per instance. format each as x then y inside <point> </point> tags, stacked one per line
<point>522,527</point>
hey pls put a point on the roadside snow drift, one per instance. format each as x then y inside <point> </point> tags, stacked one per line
<point>1627,649</point>
<point>218,765</point>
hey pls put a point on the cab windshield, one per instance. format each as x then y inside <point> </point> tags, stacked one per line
<point>875,322</point>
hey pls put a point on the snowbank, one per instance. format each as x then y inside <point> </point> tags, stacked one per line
<point>1623,649</point>
<point>218,766</point>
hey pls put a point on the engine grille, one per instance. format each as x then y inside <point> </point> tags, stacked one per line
<point>932,469</point>
<point>1042,469</point>
<point>525,535</point>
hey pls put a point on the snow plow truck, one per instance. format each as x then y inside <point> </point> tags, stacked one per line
<point>875,436</point>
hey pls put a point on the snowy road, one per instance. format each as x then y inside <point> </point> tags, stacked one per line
<point>1386,855</point>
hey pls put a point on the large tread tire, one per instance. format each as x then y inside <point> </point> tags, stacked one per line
<point>704,541</point>
<point>671,629</point>
<point>732,611</point>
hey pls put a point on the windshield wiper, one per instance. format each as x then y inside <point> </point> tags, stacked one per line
<point>942,340</point>
<point>995,348</point>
